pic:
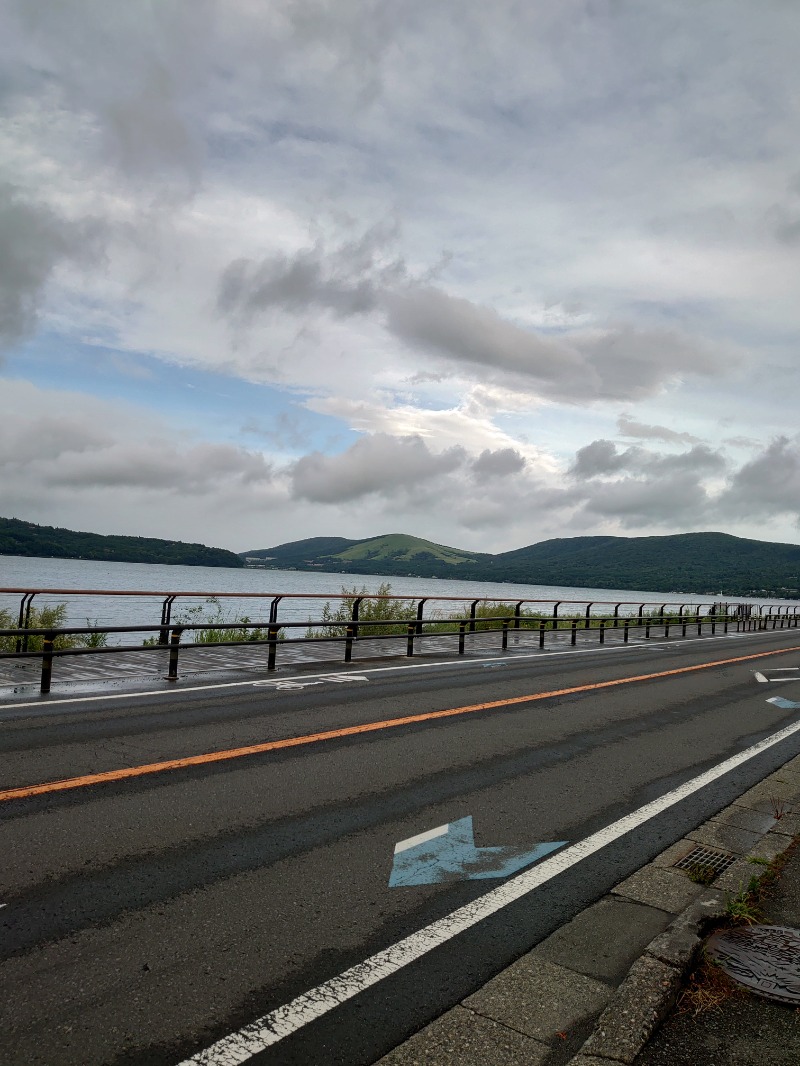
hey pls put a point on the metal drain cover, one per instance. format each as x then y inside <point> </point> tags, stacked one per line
<point>717,861</point>
<point>763,958</point>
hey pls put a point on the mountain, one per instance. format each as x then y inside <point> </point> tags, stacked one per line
<point>394,553</point>
<point>26,538</point>
<point>706,563</point>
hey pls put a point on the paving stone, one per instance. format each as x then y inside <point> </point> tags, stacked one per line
<point>788,825</point>
<point>605,939</point>
<point>463,1038</point>
<point>678,944</point>
<point>540,998</point>
<point>669,890</point>
<point>737,877</point>
<point>645,997</point>
<point>764,795</point>
<point>769,848</point>
<point>674,853</point>
<point>744,818</point>
<point>725,837</point>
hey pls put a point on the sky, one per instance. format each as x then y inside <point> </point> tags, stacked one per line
<point>482,273</point>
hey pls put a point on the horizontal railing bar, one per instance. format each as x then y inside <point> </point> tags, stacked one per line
<point>327,623</point>
<point>314,596</point>
<point>210,645</point>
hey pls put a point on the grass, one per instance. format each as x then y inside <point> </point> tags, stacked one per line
<point>208,614</point>
<point>701,873</point>
<point>49,617</point>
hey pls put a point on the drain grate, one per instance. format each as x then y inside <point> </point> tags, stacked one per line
<point>708,859</point>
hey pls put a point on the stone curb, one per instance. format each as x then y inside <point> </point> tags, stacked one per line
<point>649,992</point>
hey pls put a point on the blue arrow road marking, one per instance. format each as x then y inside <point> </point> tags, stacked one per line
<point>786,705</point>
<point>448,853</point>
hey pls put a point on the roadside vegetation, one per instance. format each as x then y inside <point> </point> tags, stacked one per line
<point>53,616</point>
<point>211,613</point>
<point>379,616</point>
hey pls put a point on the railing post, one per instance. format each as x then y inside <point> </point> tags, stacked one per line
<point>555,614</point>
<point>602,630</point>
<point>272,647</point>
<point>518,615</point>
<point>461,629</point>
<point>24,620</point>
<point>666,626</point>
<point>616,615</point>
<point>647,628</point>
<point>541,633</point>
<point>472,616</point>
<point>573,636</point>
<point>411,628</point>
<point>166,615</point>
<point>273,610</point>
<point>47,661</point>
<point>348,644</point>
<point>588,624</point>
<point>420,608</point>
<point>504,641</point>
<point>683,624</point>
<point>699,624</point>
<point>625,631</point>
<point>174,643</point>
<point>713,624</point>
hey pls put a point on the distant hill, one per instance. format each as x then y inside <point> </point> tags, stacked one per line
<point>51,542</point>
<point>706,563</point>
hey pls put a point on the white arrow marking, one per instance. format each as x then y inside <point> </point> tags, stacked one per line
<point>778,669</point>
<point>281,1022</point>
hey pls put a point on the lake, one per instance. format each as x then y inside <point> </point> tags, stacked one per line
<point>63,574</point>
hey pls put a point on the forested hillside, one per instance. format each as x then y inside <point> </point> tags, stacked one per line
<point>707,563</point>
<point>26,538</point>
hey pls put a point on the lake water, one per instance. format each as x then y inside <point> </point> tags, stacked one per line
<point>154,580</point>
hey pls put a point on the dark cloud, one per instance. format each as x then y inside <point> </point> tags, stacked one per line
<point>33,242</point>
<point>768,485</point>
<point>601,458</point>
<point>598,458</point>
<point>629,427</point>
<point>379,463</point>
<point>673,502</point>
<point>347,280</point>
<point>497,464</point>
<point>74,452</point>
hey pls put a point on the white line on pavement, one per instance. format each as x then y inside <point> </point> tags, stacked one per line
<point>259,1035</point>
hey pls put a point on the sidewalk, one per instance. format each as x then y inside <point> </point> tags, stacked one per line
<point>595,992</point>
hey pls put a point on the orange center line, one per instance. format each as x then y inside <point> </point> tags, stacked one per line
<point>26,791</point>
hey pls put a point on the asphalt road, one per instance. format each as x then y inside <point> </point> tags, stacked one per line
<point>146,917</point>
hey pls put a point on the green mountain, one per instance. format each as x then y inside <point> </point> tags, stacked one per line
<point>394,553</point>
<point>707,563</point>
<point>26,538</point>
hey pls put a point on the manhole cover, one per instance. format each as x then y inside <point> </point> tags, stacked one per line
<point>763,958</point>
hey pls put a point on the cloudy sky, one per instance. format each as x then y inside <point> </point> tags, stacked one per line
<point>483,273</point>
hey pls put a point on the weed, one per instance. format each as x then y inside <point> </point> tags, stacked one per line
<point>779,807</point>
<point>743,906</point>
<point>708,988</point>
<point>701,873</point>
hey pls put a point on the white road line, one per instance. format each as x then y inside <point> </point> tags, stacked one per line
<point>420,838</point>
<point>507,659</point>
<point>273,1027</point>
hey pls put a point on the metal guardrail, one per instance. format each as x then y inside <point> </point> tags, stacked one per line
<point>745,620</point>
